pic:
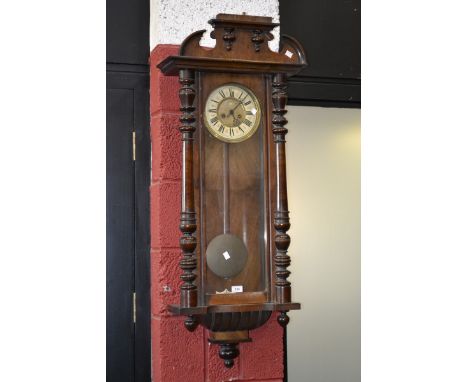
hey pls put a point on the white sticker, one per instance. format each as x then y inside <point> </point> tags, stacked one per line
<point>289,54</point>
<point>237,288</point>
<point>226,255</point>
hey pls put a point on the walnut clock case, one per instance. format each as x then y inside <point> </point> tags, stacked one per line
<point>234,217</point>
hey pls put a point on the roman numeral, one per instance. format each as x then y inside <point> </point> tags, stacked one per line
<point>240,97</point>
<point>231,131</point>
<point>231,93</point>
<point>247,103</point>
<point>214,120</point>
<point>240,128</point>
<point>213,110</point>
<point>248,112</point>
<point>212,100</point>
<point>221,129</point>
<point>247,122</point>
<point>222,94</point>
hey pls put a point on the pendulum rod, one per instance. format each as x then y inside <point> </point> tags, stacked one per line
<point>226,214</point>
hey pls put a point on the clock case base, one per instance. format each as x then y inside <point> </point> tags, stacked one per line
<point>230,324</point>
<point>241,48</point>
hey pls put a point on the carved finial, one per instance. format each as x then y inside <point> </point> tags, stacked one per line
<point>191,323</point>
<point>229,37</point>
<point>228,352</point>
<point>283,319</point>
<point>257,39</point>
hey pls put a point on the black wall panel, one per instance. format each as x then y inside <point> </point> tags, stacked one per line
<point>127,29</point>
<point>120,236</point>
<point>330,31</point>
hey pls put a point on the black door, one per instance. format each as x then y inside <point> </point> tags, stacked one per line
<point>128,174</point>
<point>128,285</point>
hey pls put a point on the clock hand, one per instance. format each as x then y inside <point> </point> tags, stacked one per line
<point>231,112</point>
<point>237,106</point>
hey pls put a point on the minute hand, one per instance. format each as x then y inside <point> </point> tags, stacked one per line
<point>240,102</point>
<point>231,112</point>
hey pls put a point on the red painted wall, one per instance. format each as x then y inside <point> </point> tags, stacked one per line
<point>177,354</point>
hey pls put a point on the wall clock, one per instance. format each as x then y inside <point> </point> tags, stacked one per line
<point>234,213</point>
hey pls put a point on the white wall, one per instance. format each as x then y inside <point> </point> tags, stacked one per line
<point>323,164</point>
<point>171,21</point>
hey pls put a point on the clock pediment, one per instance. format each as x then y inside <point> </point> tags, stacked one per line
<point>242,42</point>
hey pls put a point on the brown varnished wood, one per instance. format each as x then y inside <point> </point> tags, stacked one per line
<point>270,189</point>
<point>250,43</point>
<point>203,309</point>
<point>281,213</point>
<point>241,47</point>
<point>188,224</point>
<point>240,320</point>
<point>173,64</point>
<point>237,188</point>
<point>237,298</point>
<point>224,337</point>
<point>228,351</point>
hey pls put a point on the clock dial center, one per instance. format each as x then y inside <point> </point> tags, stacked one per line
<point>231,112</point>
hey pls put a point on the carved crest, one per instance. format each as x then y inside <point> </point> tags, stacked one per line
<point>241,46</point>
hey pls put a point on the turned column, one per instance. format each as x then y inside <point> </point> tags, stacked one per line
<point>281,213</point>
<point>188,223</point>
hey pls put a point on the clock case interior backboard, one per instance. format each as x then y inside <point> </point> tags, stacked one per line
<point>249,201</point>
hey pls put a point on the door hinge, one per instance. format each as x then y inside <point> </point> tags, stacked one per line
<point>134,307</point>
<point>134,144</point>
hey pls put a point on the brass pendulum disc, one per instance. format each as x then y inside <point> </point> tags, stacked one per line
<point>226,255</point>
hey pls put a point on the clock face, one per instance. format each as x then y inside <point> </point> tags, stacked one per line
<point>232,113</point>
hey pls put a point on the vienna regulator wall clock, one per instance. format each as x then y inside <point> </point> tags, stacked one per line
<point>234,217</point>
